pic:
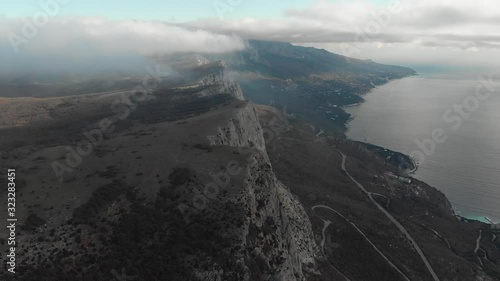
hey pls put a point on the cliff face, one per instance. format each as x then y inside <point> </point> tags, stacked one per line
<point>311,167</point>
<point>185,188</point>
<point>215,74</point>
<point>259,229</point>
<point>181,190</point>
<point>277,238</point>
<point>279,232</point>
<point>242,130</point>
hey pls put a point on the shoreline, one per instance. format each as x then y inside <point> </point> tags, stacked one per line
<point>405,162</point>
<point>457,213</point>
<point>408,159</point>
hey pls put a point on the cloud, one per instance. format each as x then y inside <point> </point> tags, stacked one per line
<point>128,36</point>
<point>399,21</point>
<point>422,25</point>
<point>427,30</point>
<point>95,44</point>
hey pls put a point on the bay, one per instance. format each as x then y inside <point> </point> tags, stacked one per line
<point>465,167</point>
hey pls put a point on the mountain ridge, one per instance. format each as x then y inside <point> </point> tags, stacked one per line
<point>197,183</point>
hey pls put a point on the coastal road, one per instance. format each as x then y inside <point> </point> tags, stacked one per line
<point>393,220</point>
<point>327,223</point>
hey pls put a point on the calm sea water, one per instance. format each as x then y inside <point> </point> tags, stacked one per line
<point>466,166</point>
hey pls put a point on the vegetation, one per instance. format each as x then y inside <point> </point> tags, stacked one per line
<point>32,222</point>
<point>99,200</point>
<point>312,83</point>
<point>166,108</point>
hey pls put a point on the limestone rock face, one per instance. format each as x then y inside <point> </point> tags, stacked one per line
<point>242,130</point>
<point>183,191</point>
<point>279,232</point>
<point>273,238</point>
<point>277,236</point>
<point>216,74</point>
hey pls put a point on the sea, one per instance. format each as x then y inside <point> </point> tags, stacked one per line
<point>450,124</point>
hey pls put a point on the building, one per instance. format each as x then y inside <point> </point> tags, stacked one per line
<point>495,226</point>
<point>399,178</point>
<point>404,180</point>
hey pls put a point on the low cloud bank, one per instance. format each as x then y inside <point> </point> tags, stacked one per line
<point>73,43</point>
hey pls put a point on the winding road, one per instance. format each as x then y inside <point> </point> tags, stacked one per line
<point>442,238</point>
<point>388,199</point>
<point>327,223</point>
<point>393,220</point>
<point>325,226</point>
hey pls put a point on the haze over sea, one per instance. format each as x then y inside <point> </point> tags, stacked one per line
<point>466,166</point>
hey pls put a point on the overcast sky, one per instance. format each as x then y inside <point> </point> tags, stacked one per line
<point>449,34</point>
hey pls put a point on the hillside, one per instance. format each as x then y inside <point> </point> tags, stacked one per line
<point>356,237</point>
<point>309,82</point>
<point>193,182</point>
<point>180,188</point>
<point>312,83</point>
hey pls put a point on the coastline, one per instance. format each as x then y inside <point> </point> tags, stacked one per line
<point>405,162</point>
<point>406,159</point>
<point>408,172</point>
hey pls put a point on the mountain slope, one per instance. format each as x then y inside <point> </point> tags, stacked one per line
<point>192,182</point>
<point>310,82</point>
<point>349,227</point>
<point>180,189</point>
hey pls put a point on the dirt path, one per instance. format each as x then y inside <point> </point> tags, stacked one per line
<point>478,244</point>
<point>361,232</point>
<point>325,226</point>
<point>393,220</point>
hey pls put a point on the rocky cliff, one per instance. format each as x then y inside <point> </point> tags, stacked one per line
<point>216,74</point>
<point>243,130</point>
<point>182,189</point>
<point>278,242</point>
<point>186,187</point>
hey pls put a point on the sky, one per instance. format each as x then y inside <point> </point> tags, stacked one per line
<point>163,10</point>
<point>445,34</point>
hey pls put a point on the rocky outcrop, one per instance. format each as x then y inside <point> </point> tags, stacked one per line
<point>215,74</point>
<point>185,191</point>
<point>277,233</point>
<point>242,130</point>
